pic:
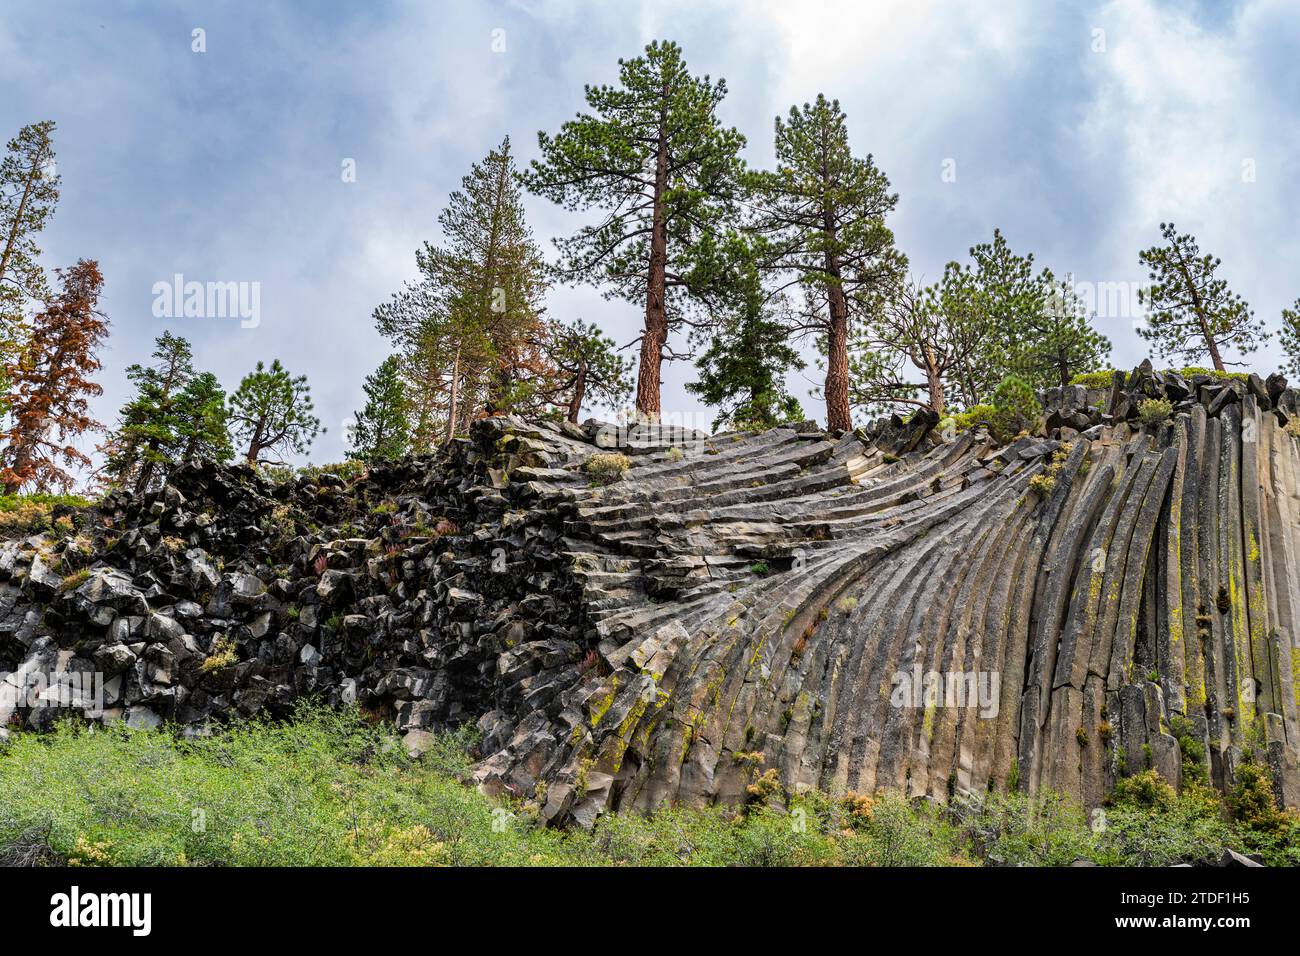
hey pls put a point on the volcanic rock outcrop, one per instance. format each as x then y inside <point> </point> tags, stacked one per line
<point>896,607</point>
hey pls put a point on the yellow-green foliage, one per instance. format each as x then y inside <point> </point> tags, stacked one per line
<point>607,468</point>
<point>976,415</point>
<point>1098,379</point>
<point>30,514</point>
<point>1043,483</point>
<point>1214,373</point>
<point>224,654</point>
<point>1104,377</point>
<point>1152,411</point>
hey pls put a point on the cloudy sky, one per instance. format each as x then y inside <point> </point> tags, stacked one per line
<point>1075,127</point>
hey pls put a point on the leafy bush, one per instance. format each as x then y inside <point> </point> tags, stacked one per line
<point>1102,378</point>
<point>31,514</point>
<point>1152,411</point>
<point>1043,483</point>
<point>1016,829</point>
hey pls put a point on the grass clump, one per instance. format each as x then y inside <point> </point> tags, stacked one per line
<point>606,469</point>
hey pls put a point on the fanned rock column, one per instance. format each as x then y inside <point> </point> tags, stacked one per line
<point>713,619</point>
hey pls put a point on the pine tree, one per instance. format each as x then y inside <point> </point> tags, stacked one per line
<point>653,156</point>
<point>1191,312</point>
<point>1291,337</point>
<point>1061,341</point>
<point>589,370</point>
<point>202,421</point>
<point>742,372</point>
<point>174,416</point>
<point>145,439</point>
<point>382,429</point>
<point>1004,298</point>
<point>50,387</point>
<point>272,413</point>
<point>29,190</point>
<point>469,333</point>
<point>824,211</point>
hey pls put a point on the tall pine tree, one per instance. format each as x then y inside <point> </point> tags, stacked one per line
<point>653,157</point>
<point>29,190</point>
<point>202,421</point>
<point>174,415</point>
<point>145,441</point>
<point>1061,341</point>
<point>470,333</point>
<point>823,209</point>
<point>908,336</point>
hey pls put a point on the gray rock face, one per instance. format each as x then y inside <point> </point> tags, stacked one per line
<point>884,608</point>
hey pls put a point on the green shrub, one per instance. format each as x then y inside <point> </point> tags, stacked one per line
<point>1043,483</point>
<point>1152,411</point>
<point>31,514</point>
<point>1043,830</point>
<point>224,654</point>
<point>331,788</point>
<point>1099,379</point>
<point>976,415</point>
<point>1214,373</point>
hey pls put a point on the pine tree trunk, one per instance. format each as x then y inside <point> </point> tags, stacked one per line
<point>1214,351</point>
<point>838,416</point>
<point>655,335</point>
<point>579,392</point>
<point>451,404</point>
<point>934,384</point>
<point>12,238</point>
<point>254,446</point>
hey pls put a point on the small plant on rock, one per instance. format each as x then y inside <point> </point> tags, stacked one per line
<point>1153,411</point>
<point>224,654</point>
<point>607,468</point>
<point>1043,483</point>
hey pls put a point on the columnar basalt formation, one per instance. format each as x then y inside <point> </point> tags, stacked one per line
<point>897,607</point>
